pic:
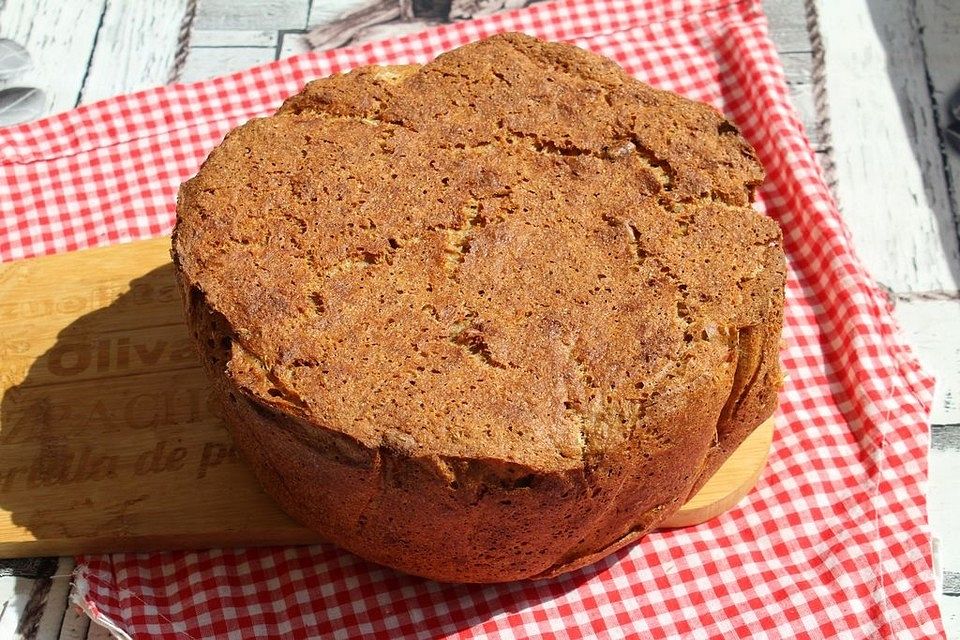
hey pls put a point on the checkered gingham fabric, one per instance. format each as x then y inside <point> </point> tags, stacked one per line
<point>833,542</point>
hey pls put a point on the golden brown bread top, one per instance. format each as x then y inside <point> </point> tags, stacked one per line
<point>514,253</point>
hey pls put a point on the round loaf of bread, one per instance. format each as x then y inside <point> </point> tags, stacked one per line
<point>488,318</point>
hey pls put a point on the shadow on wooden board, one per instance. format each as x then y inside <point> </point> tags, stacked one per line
<point>111,440</point>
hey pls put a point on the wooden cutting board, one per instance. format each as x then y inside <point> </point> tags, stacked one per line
<point>109,437</point>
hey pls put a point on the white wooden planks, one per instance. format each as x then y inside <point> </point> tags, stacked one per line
<point>76,623</point>
<point>942,493</point>
<point>60,37</point>
<point>323,12</point>
<point>788,25</point>
<point>796,68</point>
<point>345,29</point>
<point>135,48</point>
<point>950,610</point>
<point>205,62</point>
<point>232,38</point>
<point>932,328</point>
<point>939,22</point>
<point>86,50</point>
<point>9,612</point>
<point>252,14</point>
<point>96,632</point>
<point>56,605</point>
<point>886,146</point>
<point>66,32</point>
<point>939,25</point>
<point>894,188</point>
<point>291,44</point>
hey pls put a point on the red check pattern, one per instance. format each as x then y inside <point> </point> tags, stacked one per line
<point>832,543</point>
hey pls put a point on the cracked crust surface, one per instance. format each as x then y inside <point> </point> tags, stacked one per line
<point>488,318</point>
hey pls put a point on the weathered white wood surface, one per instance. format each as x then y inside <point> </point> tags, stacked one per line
<point>204,62</point>
<point>56,607</point>
<point>797,70</point>
<point>232,38</point>
<point>135,48</point>
<point>933,329</point>
<point>96,632</point>
<point>252,14</point>
<point>944,516</point>
<point>940,35</point>
<point>60,37</point>
<point>891,68</point>
<point>9,600</point>
<point>75,623</point>
<point>35,607</point>
<point>293,43</point>
<point>886,145</point>
<point>382,31</point>
<point>788,26</point>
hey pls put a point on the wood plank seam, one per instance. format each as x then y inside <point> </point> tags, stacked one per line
<point>277,54</point>
<point>931,90</point>
<point>891,182</point>
<point>183,40</point>
<point>940,32</point>
<point>93,49</point>
<point>910,296</point>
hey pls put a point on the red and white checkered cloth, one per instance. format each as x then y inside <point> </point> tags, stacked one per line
<point>832,543</point>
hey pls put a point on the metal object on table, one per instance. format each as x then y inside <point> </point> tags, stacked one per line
<point>20,104</point>
<point>14,59</point>
<point>17,104</point>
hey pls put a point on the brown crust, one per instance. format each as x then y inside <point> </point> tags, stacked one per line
<point>486,319</point>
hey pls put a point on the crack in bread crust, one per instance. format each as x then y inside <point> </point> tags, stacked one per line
<point>488,317</point>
